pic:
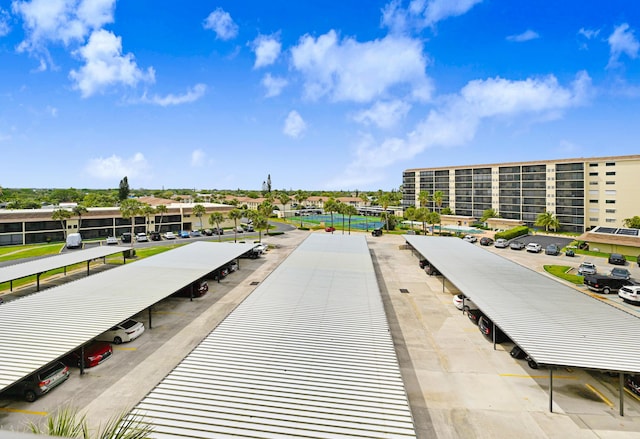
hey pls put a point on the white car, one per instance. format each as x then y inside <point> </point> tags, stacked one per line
<point>458,300</point>
<point>587,268</point>
<point>142,237</point>
<point>169,235</point>
<point>501,243</point>
<point>111,240</point>
<point>124,332</point>
<point>470,238</point>
<point>630,294</point>
<point>261,247</point>
<point>533,247</point>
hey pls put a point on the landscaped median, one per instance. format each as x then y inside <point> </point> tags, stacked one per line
<point>562,271</point>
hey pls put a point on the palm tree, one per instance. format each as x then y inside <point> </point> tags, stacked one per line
<point>365,198</point>
<point>216,218</point>
<point>424,197</point>
<point>161,209</point>
<point>350,210</point>
<point>548,221</point>
<point>78,210</point>
<point>147,211</point>
<point>265,209</point>
<point>422,215</point>
<point>62,215</point>
<point>384,201</point>
<point>129,209</point>
<point>410,215</point>
<point>331,206</point>
<point>433,218</point>
<point>284,198</point>
<point>301,197</point>
<point>489,213</point>
<point>199,210</point>
<point>341,209</point>
<point>235,215</point>
<point>438,197</point>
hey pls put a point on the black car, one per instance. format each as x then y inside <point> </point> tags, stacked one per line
<point>126,237</point>
<point>474,315</point>
<point>376,232</point>
<point>519,354</point>
<point>617,259</point>
<point>486,241</point>
<point>552,250</point>
<point>632,382</point>
<point>486,327</point>
<point>423,263</point>
<point>605,284</point>
<point>155,236</point>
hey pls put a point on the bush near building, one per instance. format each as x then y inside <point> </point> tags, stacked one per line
<point>513,233</point>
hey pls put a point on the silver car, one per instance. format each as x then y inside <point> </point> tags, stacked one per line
<point>587,268</point>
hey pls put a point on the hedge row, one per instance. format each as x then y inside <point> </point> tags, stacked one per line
<point>513,233</point>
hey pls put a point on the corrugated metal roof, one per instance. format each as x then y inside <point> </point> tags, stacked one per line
<point>552,322</point>
<point>307,354</point>
<point>24,269</point>
<point>42,327</point>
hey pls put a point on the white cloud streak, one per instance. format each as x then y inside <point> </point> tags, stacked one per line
<point>5,27</point>
<point>267,50</point>
<point>456,121</point>
<point>383,114</point>
<point>114,167</point>
<point>222,24</point>
<point>527,35</point>
<point>197,158</point>
<point>294,125</point>
<point>191,95</point>
<point>361,72</point>
<point>105,65</point>
<point>622,41</point>
<point>273,85</point>
<point>422,13</point>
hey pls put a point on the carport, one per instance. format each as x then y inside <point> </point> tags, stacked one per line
<point>41,328</point>
<point>553,323</point>
<point>37,267</point>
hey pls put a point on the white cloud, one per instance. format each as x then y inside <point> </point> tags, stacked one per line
<point>5,28</point>
<point>197,158</point>
<point>105,65</point>
<point>273,85</point>
<point>351,71</point>
<point>422,13</point>
<point>294,125</point>
<point>53,111</point>
<point>192,95</point>
<point>267,50</point>
<point>222,24</point>
<point>383,114</point>
<point>59,21</point>
<point>527,35</point>
<point>456,121</point>
<point>108,168</point>
<point>589,33</point>
<point>622,41</point>
<point>438,10</point>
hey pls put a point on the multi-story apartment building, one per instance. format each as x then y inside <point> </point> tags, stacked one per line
<point>582,192</point>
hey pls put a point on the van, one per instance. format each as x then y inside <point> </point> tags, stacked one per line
<point>74,240</point>
<point>605,284</point>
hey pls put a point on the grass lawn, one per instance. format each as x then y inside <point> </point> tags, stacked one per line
<point>562,272</point>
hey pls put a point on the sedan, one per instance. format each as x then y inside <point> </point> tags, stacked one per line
<point>94,353</point>
<point>617,259</point>
<point>621,273</point>
<point>552,250</point>
<point>111,240</point>
<point>124,332</point>
<point>330,229</point>
<point>169,235</point>
<point>516,245</point>
<point>534,247</point>
<point>184,234</point>
<point>587,268</point>
<point>470,238</point>
<point>141,237</point>
<point>462,302</point>
<point>501,243</point>
<point>486,241</point>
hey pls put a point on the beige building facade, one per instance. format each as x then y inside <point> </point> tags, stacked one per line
<point>582,192</point>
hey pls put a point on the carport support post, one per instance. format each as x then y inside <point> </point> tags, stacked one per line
<point>150,324</point>
<point>621,387</point>
<point>551,389</point>
<point>88,267</point>
<point>443,284</point>
<point>494,336</point>
<point>82,360</point>
<point>38,281</point>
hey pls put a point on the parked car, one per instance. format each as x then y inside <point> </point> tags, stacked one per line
<point>501,243</point>
<point>111,240</point>
<point>40,382</point>
<point>207,232</point>
<point>622,273</point>
<point>470,238</point>
<point>248,227</point>
<point>169,235</point>
<point>516,245</point>
<point>423,263</point>
<point>377,232</point>
<point>474,315</point>
<point>250,254</point>
<point>517,353</point>
<point>485,240</point>
<point>533,247</point>
<point>142,237</point>
<point>94,353</point>
<point>330,229</point>
<point>155,236</point>
<point>617,259</point>
<point>587,268</point>
<point>232,266</point>
<point>570,253</point>
<point>184,234</point>
<point>605,284</point>
<point>632,382</point>
<point>431,270</point>
<point>630,294</point>
<point>552,250</point>
<point>74,240</point>
<point>260,247</point>
<point>463,302</point>
<point>486,328</point>
<point>126,237</point>
<point>195,233</point>
<point>123,332</point>
<point>200,288</point>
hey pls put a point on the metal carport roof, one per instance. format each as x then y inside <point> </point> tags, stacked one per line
<point>555,324</point>
<point>308,354</point>
<point>42,327</point>
<point>42,265</point>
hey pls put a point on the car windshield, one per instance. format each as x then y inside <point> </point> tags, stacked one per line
<point>128,324</point>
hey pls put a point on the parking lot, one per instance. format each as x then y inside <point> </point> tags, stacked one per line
<point>458,386</point>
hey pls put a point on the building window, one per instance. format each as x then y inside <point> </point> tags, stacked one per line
<point>595,220</point>
<point>593,174</point>
<point>610,220</point>
<point>593,201</point>
<point>610,164</point>
<point>593,192</point>
<point>594,210</point>
<point>611,182</point>
<point>610,192</point>
<point>610,211</point>
<point>593,165</point>
<point>593,183</point>
<point>611,173</point>
<point>610,201</point>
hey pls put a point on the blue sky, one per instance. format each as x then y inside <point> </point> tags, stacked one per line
<point>319,95</point>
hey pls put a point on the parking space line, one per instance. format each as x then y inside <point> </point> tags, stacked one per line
<point>600,395</point>
<point>168,312</point>
<point>559,377</point>
<point>632,394</point>
<point>118,348</point>
<point>26,412</point>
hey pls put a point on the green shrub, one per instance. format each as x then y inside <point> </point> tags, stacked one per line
<point>513,233</point>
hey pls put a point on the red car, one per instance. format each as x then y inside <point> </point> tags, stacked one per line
<point>94,353</point>
<point>330,229</point>
<point>199,290</point>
